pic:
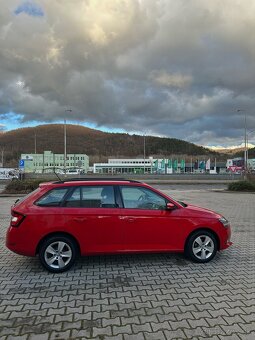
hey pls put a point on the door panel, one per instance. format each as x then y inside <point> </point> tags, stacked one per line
<point>97,229</point>
<point>148,226</point>
<point>146,230</point>
<point>93,216</point>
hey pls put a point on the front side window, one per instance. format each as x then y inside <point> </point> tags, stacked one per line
<point>142,198</point>
<point>53,198</point>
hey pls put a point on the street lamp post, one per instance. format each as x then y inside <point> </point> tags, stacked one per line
<point>144,153</point>
<point>2,154</point>
<point>65,145</point>
<point>245,141</point>
<point>65,141</point>
<point>35,143</point>
<point>248,132</point>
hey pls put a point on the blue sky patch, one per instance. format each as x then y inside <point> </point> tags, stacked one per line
<point>29,8</point>
<point>11,121</point>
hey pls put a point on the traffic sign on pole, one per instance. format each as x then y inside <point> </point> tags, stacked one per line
<point>21,163</point>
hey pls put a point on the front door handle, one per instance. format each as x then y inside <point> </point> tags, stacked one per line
<point>126,218</point>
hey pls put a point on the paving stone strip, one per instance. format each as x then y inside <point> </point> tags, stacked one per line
<point>153,296</point>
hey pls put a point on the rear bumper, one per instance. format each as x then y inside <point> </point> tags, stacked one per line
<point>19,249</point>
<point>17,244</point>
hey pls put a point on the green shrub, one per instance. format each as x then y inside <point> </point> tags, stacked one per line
<point>242,186</point>
<point>23,187</point>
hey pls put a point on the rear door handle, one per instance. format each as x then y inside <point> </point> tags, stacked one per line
<point>80,219</point>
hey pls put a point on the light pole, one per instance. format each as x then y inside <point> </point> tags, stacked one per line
<point>144,153</point>
<point>65,145</point>
<point>65,141</point>
<point>35,143</point>
<point>2,153</point>
<point>245,141</point>
<point>248,132</point>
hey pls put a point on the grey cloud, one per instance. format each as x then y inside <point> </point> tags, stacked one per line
<point>174,68</point>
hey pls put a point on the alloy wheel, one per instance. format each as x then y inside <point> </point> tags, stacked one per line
<point>203,247</point>
<point>58,255</point>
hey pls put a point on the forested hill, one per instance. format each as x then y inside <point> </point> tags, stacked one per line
<point>98,145</point>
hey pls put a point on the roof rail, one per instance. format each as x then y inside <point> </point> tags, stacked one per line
<point>96,179</point>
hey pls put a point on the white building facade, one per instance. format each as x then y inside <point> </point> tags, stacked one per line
<point>140,166</point>
<point>49,161</point>
<point>124,166</point>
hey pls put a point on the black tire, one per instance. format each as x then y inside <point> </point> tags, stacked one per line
<point>201,246</point>
<point>58,253</point>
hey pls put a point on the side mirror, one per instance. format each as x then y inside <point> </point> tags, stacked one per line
<point>170,206</point>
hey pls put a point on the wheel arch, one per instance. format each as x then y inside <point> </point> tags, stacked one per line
<point>58,233</point>
<point>203,229</point>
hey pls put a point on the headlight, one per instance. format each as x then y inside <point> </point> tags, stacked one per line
<point>224,222</point>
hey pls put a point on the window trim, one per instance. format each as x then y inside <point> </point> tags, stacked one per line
<point>115,193</point>
<point>47,193</point>
<point>140,187</point>
<point>69,194</point>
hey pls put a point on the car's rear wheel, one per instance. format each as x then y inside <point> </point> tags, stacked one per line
<point>58,253</point>
<point>201,246</point>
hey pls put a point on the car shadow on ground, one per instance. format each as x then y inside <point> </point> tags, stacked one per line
<point>100,264</point>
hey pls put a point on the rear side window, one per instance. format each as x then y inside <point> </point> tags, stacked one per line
<point>53,198</point>
<point>91,197</point>
<point>98,196</point>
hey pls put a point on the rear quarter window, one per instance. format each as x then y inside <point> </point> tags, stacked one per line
<point>52,198</point>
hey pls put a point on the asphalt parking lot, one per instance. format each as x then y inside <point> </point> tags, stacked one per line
<point>154,296</point>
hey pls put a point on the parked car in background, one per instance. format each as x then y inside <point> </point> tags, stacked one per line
<point>9,173</point>
<point>74,171</point>
<point>62,220</point>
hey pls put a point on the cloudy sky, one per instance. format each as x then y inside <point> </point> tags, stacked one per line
<point>172,68</point>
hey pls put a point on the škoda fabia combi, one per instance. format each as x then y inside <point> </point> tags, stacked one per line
<point>63,220</point>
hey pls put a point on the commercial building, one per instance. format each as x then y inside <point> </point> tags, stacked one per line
<point>237,164</point>
<point>124,166</point>
<point>49,161</point>
<point>251,164</point>
<point>157,166</point>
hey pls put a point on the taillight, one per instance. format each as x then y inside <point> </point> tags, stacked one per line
<point>16,219</point>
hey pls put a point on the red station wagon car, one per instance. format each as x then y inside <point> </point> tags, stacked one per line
<point>64,219</point>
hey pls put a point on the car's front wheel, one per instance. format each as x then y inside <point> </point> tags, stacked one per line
<point>58,253</point>
<point>201,246</point>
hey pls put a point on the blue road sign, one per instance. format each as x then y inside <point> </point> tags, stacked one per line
<point>21,163</point>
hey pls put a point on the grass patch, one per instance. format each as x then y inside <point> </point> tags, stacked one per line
<point>242,186</point>
<point>23,187</point>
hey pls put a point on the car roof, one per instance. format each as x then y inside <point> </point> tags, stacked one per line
<point>96,179</point>
<point>89,181</point>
